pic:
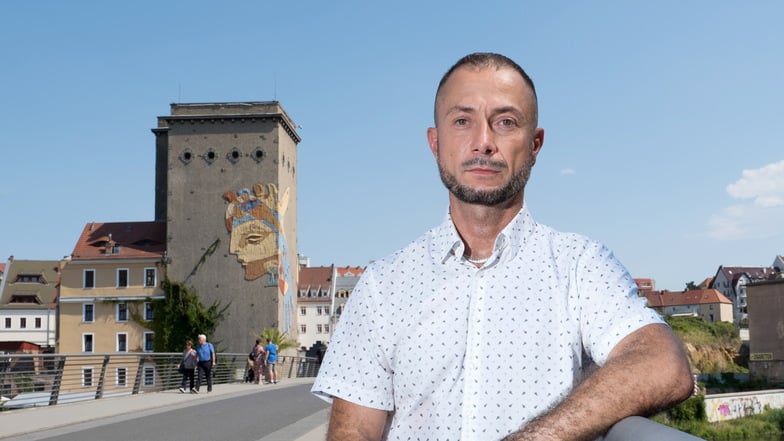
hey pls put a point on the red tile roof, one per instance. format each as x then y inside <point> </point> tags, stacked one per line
<point>661,299</point>
<point>645,284</point>
<point>352,270</point>
<point>133,240</point>
<point>315,276</point>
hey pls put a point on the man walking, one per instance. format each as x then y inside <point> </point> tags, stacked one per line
<point>206,354</point>
<point>272,360</point>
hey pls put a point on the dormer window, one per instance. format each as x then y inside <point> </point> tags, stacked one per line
<point>30,278</point>
<point>25,298</point>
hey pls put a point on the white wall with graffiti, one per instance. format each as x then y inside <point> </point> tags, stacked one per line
<point>721,407</point>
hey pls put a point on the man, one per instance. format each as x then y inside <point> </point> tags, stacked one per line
<point>479,329</point>
<point>272,361</point>
<point>206,356</point>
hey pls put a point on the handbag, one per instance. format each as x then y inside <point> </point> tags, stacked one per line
<point>181,368</point>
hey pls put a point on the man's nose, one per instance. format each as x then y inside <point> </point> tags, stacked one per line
<point>484,140</point>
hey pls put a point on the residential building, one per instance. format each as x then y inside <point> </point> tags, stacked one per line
<point>778,264</point>
<point>644,285</point>
<point>732,280</point>
<point>322,296</point>
<point>28,314</point>
<point>107,286</point>
<point>346,280</point>
<point>226,188</point>
<point>766,329</point>
<point>709,304</point>
<point>314,305</point>
<point>706,283</point>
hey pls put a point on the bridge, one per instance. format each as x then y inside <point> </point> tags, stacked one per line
<point>135,397</point>
<point>236,411</point>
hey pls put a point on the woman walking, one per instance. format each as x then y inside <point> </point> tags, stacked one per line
<point>188,366</point>
<point>259,362</point>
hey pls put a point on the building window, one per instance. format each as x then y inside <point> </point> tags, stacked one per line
<point>303,329</point>
<point>318,310</point>
<point>38,323</point>
<point>150,277</point>
<point>149,376</point>
<point>122,312</point>
<point>88,278</point>
<point>122,277</point>
<point>88,313</point>
<point>87,342</point>
<point>122,377</point>
<point>149,340</point>
<point>319,329</point>
<point>148,311</point>
<point>326,329</point>
<point>302,310</point>
<point>326,310</point>
<point>122,342</point>
<point>22,323</point>
<point>87,377</point>
<point>8,323</point>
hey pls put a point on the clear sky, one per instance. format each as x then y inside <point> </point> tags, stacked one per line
<point>663,120</point>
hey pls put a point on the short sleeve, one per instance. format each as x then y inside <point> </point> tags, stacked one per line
<point>355,367</point>
<point>610,308</point>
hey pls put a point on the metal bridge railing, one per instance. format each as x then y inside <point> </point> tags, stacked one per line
<point>50,379</point>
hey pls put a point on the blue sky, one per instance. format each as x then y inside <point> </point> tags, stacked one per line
<point>663,120</point>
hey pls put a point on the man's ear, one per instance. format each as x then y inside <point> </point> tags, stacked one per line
<point>537,143</point>
<point>432,140</point>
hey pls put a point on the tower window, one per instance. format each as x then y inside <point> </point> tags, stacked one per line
<point>234,155</point>
<point>186,156</point>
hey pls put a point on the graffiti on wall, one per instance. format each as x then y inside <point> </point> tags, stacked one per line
<point>254,219</point>
<point>736,407</point>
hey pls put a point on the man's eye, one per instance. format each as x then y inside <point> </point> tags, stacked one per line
<point>507,122</point>
<point>461,122</point>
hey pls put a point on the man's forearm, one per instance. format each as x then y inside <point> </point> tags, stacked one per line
<point>352,422</point>
<point>645,373</point>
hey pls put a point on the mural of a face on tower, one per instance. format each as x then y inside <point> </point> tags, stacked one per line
<point>255,222</point>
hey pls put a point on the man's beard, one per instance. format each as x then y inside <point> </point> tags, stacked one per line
<point>487,198</point>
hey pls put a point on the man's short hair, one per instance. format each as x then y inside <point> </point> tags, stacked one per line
<point>482,60</point>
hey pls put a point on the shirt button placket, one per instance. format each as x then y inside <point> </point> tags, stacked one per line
<point>475,347</point>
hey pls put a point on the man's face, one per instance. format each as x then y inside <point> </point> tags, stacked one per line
<point>486,141</point>
<point>202,340</point>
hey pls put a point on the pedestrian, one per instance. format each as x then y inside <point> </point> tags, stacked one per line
<point>259,361</point>
<point>479,329</point>
<point>206,362</point>
<point>272,361</point>
<point>188,366</point>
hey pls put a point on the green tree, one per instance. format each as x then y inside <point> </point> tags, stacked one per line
<point>180,315</point>
<point>279,338</point>
<point>690,286</point>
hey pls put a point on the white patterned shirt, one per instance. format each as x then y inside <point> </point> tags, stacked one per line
<point>465,353</point>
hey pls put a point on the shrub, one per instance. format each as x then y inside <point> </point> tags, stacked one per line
<point>693,409</point>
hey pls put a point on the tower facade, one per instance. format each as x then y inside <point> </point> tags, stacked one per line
<point>226,188</point>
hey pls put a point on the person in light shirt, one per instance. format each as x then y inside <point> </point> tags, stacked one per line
<point>480,329</point>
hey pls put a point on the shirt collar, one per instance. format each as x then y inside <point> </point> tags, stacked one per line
<point>448,244</point>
